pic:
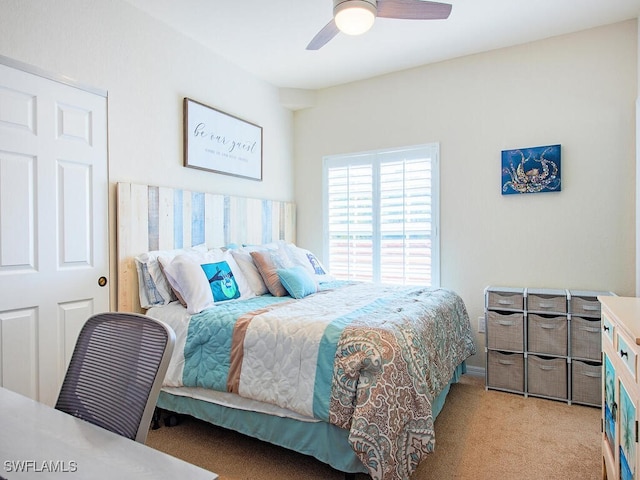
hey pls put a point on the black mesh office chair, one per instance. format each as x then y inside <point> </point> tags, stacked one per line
<point>116,371</point>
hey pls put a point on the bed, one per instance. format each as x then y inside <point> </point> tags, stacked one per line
<point>351,373</point>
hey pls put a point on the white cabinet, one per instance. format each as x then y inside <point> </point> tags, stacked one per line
<point>544,342</point>
<point>621,391</point>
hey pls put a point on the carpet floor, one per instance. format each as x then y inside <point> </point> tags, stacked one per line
<point>480,435</point>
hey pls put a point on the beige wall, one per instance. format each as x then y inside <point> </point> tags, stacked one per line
<point>577,90</point>
<point>147,69</point>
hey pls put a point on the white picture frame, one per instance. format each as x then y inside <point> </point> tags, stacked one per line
<point>221,143</point>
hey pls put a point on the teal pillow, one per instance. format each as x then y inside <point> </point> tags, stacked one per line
<point>297,281</point>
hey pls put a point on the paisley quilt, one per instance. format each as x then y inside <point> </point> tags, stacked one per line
<point>366,357</point>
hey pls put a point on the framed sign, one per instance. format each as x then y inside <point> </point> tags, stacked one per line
<point>221,143</point>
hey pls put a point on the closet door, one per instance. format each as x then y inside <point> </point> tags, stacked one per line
<point>53,225</point>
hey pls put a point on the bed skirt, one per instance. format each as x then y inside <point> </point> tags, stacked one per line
<point>321,440</point>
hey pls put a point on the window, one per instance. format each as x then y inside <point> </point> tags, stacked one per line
<point>381,215</point>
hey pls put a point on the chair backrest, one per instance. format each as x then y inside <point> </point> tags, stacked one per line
<point>116,371</point>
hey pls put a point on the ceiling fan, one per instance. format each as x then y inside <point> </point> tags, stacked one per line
<point>357,16</point>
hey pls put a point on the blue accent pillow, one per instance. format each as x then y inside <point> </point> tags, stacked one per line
<point>223,285</point>
<point>297,281</point>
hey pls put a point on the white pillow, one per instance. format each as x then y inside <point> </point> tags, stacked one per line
<point>187,276</point>
<point>311,263</point>
<point>278,249</point>
<point>189,281</point>
<point>153,288</point>
<point>250,271</point>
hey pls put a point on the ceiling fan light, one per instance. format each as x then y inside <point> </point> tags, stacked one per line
<point>354,17</point>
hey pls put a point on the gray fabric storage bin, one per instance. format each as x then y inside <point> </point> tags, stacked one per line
<point>547,334</point>
<point>585,306</point>
<point>506,371</point>
<point>552,303</point>
<point>547,376</point>
<point>505,331</point>
<point>505,300</point>
<point>586,382</point>
<point>586,338</point>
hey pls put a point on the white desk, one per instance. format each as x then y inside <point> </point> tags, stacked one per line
<point>35,439</point>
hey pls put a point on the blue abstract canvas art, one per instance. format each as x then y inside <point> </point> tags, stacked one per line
<point>531,170</point>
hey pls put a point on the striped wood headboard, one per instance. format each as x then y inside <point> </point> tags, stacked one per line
<point>162,218</point>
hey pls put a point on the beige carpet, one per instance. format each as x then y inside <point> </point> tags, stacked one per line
<point>479,435</point>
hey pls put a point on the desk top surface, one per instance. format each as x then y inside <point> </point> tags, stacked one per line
<point>37,441</point>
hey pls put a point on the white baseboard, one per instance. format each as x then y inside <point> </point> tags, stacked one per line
<point>475,371</point>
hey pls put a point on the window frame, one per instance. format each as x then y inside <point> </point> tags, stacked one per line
<point>375,158</point>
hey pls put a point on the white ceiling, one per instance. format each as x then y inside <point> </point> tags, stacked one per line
<point>268,37</point>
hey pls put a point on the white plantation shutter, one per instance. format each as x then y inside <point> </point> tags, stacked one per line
<point>381,215</point>
<point>350,195</point>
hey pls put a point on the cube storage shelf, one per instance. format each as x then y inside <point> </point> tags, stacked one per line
<point>544,343</point>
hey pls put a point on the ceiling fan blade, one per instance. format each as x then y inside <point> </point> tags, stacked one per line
<point>329,31</point>
<point>413,9</point>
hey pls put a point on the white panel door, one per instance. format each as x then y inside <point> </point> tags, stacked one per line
<point>53,226</point>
